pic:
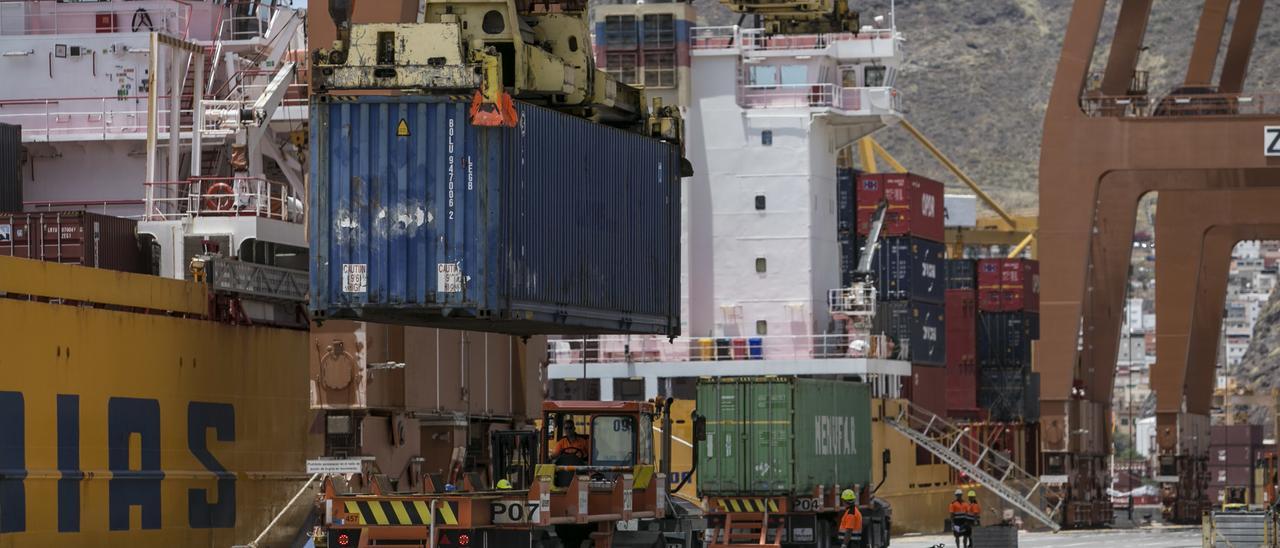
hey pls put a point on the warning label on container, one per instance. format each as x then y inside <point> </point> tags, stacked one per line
<point>355,278</point>
<point>449,278</point>
<point>402,129</point>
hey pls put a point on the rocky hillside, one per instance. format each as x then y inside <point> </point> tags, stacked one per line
<point>977,77</point>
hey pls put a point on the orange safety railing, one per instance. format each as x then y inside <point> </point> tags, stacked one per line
<point>222,197</point>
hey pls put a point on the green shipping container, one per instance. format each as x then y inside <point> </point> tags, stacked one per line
<point>770,436</point>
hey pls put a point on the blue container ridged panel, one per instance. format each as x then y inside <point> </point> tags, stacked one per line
<point>402,204</point>
<point>556,224</point>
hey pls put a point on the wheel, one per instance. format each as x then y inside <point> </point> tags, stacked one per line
<point>823,533</point>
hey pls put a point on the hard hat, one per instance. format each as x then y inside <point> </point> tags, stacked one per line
<point>973,494</point>
<point>848,495</point>
<point>449,488</point>
<point>959,492</point>
<point>504,484</point>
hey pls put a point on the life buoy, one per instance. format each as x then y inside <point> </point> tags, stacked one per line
<point>219,197</point>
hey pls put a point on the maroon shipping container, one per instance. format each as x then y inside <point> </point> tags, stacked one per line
<point>962,368</point>
<point>1234,476</point>
<point>1238,435</point>
<point>927,387</point>
<point>1234,455</point>
<point>915,205</point>
<point>75,237</point>
<point>1008,285</point>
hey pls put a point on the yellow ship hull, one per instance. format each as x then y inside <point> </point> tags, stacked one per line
<point>130,421</point>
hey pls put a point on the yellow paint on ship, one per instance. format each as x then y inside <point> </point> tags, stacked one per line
<point>53,349</point>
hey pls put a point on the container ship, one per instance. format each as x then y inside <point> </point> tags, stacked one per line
<point>774,225</point>
<point>153,274</point>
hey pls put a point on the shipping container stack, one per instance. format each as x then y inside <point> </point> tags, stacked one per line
<point>1008,320</point>
<point>10,168</point>
<point>1233,450</point>
<point>962,339</point>
<point>909,271</point>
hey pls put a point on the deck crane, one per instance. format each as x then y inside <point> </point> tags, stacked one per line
<point>856,304</point>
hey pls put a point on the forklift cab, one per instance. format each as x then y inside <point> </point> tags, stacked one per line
<point>598,438</point>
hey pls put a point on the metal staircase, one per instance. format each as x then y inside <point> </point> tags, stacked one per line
<point>955,446</point>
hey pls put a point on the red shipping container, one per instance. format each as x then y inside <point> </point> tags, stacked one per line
<point>75,237</point>
<point>1231,456</point>
<point>915,205</point>
<point>962,369</point>
<point>927,387</point>
<point>1008,285</point>
<point>1234,476</point>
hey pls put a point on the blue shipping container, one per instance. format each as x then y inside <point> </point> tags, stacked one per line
<point>917,330</point>
<point>558,225</point>
<point>846,200</point>
<point>1004,338</point>
<point>908,268</point>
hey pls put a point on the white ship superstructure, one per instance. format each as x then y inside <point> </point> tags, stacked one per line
<point>766,118</point>
<point>187,115</point>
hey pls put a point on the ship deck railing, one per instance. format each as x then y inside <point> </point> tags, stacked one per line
<point>222,197</point>
<point>86,118</point>
<point>755,39</point>
<point>26,18</point>
<point>657,348</point>
<point>848,100</point>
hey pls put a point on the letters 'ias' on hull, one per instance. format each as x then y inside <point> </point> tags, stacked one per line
<point>558,225</point>
<point>141,429</point>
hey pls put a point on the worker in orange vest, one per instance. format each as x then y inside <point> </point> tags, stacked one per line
<point>975,516</point>
<point>851,521</point>
<point>959,510</point>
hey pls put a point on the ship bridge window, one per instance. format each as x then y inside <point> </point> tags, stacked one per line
<point>760,202</point>
<point>875,77</point>
<point>659,31</point>
<point>621,65</point>
<point>659,69</point>
<point>762,327</point>
<point>773,75</point>
<point>766,137</point>
<point>620,31</point>
<point>762,265</point>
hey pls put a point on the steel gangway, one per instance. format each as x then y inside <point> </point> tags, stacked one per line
<point>957,447</point>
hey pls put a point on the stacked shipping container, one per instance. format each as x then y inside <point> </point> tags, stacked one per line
<point>961,318</point>
<point>1008,320</point>
<point>908,268</point>
<point>1233,450</point>
<point>74,237</point>
<point>10,168</point>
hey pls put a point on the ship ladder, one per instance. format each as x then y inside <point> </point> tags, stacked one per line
<point>958,448</point>
<point>753,531</point>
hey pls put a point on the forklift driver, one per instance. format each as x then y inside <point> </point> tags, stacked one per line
<point>572,444</point>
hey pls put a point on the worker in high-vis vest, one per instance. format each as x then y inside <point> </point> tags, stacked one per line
<point>850,521</point>
<point>959,511</point>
